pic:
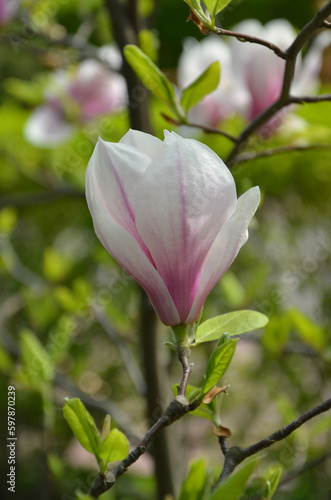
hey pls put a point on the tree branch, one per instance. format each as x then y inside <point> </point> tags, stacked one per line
<point>235,455</point>
<point>252,39</point>
<point>267,153</point>
<point>284,99</point>
<point>176,410</point>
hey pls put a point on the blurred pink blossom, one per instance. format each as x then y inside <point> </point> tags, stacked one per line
<point>251,74</point>
<point>8,9</point>
<point>75,96</point>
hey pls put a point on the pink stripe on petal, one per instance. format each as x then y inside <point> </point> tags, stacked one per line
<point>182,200</point>
<point>226,246</point>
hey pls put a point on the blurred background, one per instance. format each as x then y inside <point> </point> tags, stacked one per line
<point>71,318</point>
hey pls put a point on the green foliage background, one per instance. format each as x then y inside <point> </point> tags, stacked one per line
<point>55,276</point>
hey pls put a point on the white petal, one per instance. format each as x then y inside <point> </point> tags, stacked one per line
<point>226,246</point>
<point>183,199</point>
<point>146,143</point>
<point>126,250</point>
<point>115,170</point>
<point>46,127</point>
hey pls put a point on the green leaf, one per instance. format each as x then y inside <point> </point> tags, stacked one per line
<point>205,84</point>
<point>218,364</point>
<point>234,323</point>
<point>82,425</point>
<point>36,363</point>
<point>234,486</point>
<point>114,447</point>
<point>272,481</point>
<point>309,331</point>
<point>195,482</point>
<point>216,6</point>
<point>152,77</point>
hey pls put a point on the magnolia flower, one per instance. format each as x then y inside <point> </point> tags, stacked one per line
<point>168,213</point>
<point>7,10</point>
<point>76,96</point>
<point>230,95</point>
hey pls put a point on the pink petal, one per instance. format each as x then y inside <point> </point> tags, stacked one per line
<point>127,251</point>
<point>182,201</point>
<point>226,246</point>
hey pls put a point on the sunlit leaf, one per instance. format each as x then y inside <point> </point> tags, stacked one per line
<point>82,425</point>
<point>152,77</point>
<point>114,447</point>
<point>234,323</point>
<point>216,6</point>
<point>202,86</point>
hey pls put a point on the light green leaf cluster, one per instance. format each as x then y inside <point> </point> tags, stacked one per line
<point>207,18</point>
<point>110,446</point>
<point>157,82</point>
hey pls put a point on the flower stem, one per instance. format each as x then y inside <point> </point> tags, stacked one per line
<point>183,353</point>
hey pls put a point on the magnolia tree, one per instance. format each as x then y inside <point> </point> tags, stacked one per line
<point>165,207</point>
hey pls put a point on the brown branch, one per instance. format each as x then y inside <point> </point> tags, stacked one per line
<point>252,39</point>
<point>176,410</point>
<point>267,153</point>
<point>211,130</point>
<point>284,99</point>
<point>235,455</point>
<point>308,99</point>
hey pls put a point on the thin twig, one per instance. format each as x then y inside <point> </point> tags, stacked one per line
<point>212,130</point>
<point>235,455</point>
<point>308,99</point>
<point>129,361</point>
<point>254,155</point>
<point>177,409</point>
<point>242,37</point>
<point>284,99</point>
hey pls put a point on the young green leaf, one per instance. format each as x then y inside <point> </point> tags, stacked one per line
<point>202,86</point>
<point>195,483</point>
<point>37,365</point>
<point>216,6</point>
<point>234,487</point>
<point>218,364</point>
<point>114,447</point>
<point>272,481</point>
<point>234,323</point>
<point>309,331</point>
<point>152,77</point>
<point>82,425</point>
